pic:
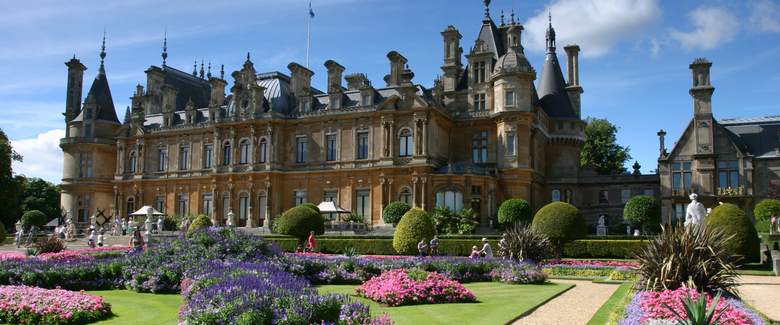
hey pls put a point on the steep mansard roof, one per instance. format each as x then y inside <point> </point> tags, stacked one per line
<point>552,87</point>
<point>100,94</point>
<point>758,136</point>
<point>187,87</point>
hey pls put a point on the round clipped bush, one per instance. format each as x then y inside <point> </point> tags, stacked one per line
<point>561,223</point>
<point>299,221</point>
<point>199,223</point>
<point>643,210</point>
<point>733,222</point>
<point>310,206</point>
<point>415,225</point>
<point>767,208</point>
<point>394,211</point>
<point>33,218</point>
<point>513,211</point>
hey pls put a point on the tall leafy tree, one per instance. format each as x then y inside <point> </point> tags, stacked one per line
<point>43,196</point>
<point>601,151</point>
<point>10,186</point>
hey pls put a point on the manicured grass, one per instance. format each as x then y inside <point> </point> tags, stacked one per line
<point>613,308</point>
<point>498,303</point>
<point>130,307</point>
<point>756,269</point>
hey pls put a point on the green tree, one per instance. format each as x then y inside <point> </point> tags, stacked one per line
<point>767,208</point>
<point>10,186</point>
<point>601,151</point>
<point>41,195</point>
<point>645,211</point>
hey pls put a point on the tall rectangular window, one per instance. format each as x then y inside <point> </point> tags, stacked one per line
<point>405,147</point>
<point>263,151</point>
<point>208,153</point>
<point>363,203</point>
<point>183,207</point>
<point>479,150</point>
<point>603,197</point>
<point>162,159</point>
<point>510,144</point>
<point>85,164</point>
<point>208,204</point>
<point>330,196</point>
<point>681,175</point>
<point>480,73</point>
<point>366,100</point>
<point>330,143</point>
<point>300,197</point>
<point>159,203</point>
<point>300,149</point>
<point>362,145</point>
<point>679,211</point>
<point>225,206</point>
<point>509,98</point>
<point>184,158</point>
<point>480,104</point>
<point>243,207</point>
<point>243,152</point>
<point>625,195</point>
<point>728,174</point>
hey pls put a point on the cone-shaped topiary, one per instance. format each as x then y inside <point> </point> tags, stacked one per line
<point>645,211</point>
<point>200,222</point>
<point>561,222</point>
<point>733,222</point>
<point>33,218</point>
<point>299,221</point>
<point>513,211</point>
<point>394,211</point>
<point>414,226</point>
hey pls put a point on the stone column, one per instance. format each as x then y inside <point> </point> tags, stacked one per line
<point>382,196</point>
<point>249,218</point>
<point>233,148</point>
<point>253,148</point>
<point>423,193</point>
<point>216,151</point>
<point>415,180</point>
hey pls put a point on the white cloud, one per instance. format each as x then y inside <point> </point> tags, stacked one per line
<point>42,156</point>
<point>596,25</point>
<point>765,16</point>
<point>712,26</point>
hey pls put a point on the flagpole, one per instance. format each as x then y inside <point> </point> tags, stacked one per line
<point>308,36</point>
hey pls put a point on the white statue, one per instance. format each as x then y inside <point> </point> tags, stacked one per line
<point>160,223</point>
<point>231,218</point>
<point>602,222</point>
<point>696,212</point>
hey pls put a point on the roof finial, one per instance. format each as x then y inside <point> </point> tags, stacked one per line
<point>208,74</point>
<point>103,49</point>
<point>195,69</point>
<point>502,17</point>
<point>550,33</point>
<point>247,56</point>
<point>222,72</point>
<point>487,8</point>
<point>201,69</point>
<point>512,20</point>
<point>165,46</point>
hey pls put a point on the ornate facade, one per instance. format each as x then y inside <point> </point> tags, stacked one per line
<point>483,133</point>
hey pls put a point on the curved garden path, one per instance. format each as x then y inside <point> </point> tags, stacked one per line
<point>575,306</point>
<point>763,293</point>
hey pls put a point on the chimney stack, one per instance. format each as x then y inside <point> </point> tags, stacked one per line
<point>335,72</point>
<point>662,147</point>
<point>573,78</point>
<point>397,65</point>
<point>75,81</point>
<point>357,81</point>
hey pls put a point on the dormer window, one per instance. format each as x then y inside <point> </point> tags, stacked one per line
<point>335,102</point>
<point>509,98</point>
<point>305,106</point>
<point>88,113</point>
<point>366,100</point>
<point>480,72</point>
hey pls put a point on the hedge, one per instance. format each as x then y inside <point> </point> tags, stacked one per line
<point>583,248</point>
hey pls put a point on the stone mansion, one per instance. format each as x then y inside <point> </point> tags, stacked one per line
<point>484,132</point>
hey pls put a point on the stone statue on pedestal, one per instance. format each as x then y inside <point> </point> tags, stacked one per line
<point>696,212</point>
<point>249,221</point>
<point>601,229</point>
<point>231,219</point>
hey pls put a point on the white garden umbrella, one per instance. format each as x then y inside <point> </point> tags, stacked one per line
<point>143,211</point>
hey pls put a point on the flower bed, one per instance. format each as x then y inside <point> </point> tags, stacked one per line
<point>406,287</point>
<point>648,307</point>
<point>261,293</point>
<point>613,270</point>
<point>85,253</point>
<point>80,274</point>
<point>518,274</point>
<point>31,305</point>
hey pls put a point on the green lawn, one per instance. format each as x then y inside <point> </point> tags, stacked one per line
<point>130,307</point>
<point>498,303</point>
<point>756,269</point>
<point>614,305</point>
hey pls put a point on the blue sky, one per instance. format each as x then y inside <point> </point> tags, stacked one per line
<point>634,65</point>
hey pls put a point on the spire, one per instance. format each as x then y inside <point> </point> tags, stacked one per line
<point>201,69</point>
<point>487,8</point>
<point>103,52</point>
<point>195,69</point>
<point>165,46</point>
<point>127,115</point>
<point>512,20</point>
<point>222,72</point>
<point>247,57</point>
<point>502,17</point>
<point>550,34</point>
<point>208,74</point>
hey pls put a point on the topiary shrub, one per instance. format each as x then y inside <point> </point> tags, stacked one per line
<point>644,211</point>
<point>767,208</point>
<point>415,225</point>
<point>33,218</point>
<point>310,206</point>
<point>200,222</point>
<point>299,221</point>
<point>394,211</point>
<point>513,211</point>
<point>561,223</point>
<point>744,240</point>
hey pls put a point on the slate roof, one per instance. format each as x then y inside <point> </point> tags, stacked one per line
<point>188,87</point>
<point>552,87</point>
<point>100,94</point>
<point>759,136</point>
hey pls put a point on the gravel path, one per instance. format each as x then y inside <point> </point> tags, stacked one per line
<point>574,307</point>
<point>763,293</point>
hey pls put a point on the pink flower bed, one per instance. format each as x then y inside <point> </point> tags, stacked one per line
<point>593,263</point>
<point>32,305</point>
<point>69,255</point>
<point>652,304</point>
<point>396,288</point>
<point>11,256</point>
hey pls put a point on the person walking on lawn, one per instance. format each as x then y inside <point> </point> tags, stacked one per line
<point>311,244</point>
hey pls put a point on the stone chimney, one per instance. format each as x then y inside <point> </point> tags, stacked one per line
<point>74,90</point>
<point>357,81</point>
<point>397,69</point>
<point>300,79</point>
<point>335,72</point>
<point>662,147</point>
<point>217,92</point>
<point>573,87</point>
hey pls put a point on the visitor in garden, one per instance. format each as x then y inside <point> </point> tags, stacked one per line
<point>18,238</point>
<point>475,252</point>
<point>486,251</point>
<point>503,247</point>
<point>434,246</point>
<point>61,232</point>
<point>100,239</point>
<point>160,222</point>
<point>422,247</point>
<point>124,227</point>
<point>311,244</point>
<point>137,241</point>
<point>773,229</point>
<point>91,238</point>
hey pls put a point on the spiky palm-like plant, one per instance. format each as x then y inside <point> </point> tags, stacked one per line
<point>694,256</point>
<point>696,311</point>
<point>520,242</point>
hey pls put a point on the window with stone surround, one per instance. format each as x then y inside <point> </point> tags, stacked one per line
<point>480,71</point>
<point>405,148</point>
<point>159,203</point>
<point>300,149</point>
<point>681,175</point>
<point>299,197</point>
<point>208,153</point>
<point>363,203</point>
<point>133,162</point>
<point>226,153</point>
<point>405,196</point>
<point>85,164</point>
<point>263,158</point>
<point>331,147</point>
<point>480,103</point>
<point>130,207</point>
<point>510,143</point>
<point>728,174</point>
<point>82,214</point>
<point>183,204</point>
<point>362,145</point>
<point>479,147</point>
<point>162,159</point>
<point>208,204</point>
<point>451,199</point>
<point>509,98</point>
<point>184,157</point>
<point>243,152</point>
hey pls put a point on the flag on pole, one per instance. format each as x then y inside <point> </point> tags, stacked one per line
<point>311,11</point>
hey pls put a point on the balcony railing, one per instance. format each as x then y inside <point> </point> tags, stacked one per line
<point>682,191</point>
<point>731,191</point>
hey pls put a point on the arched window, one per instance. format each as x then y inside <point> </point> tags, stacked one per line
<point>130,205</point>
<point>451,199</point>
<point>263,158</point>
<point>226,150</point>
<point>405,196</point>
<point>243,152</point>
<point>556,195</point>
<point>243,207</point>
<point>479,147</point>
<point>133,162</point>
<point>405,143</point>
